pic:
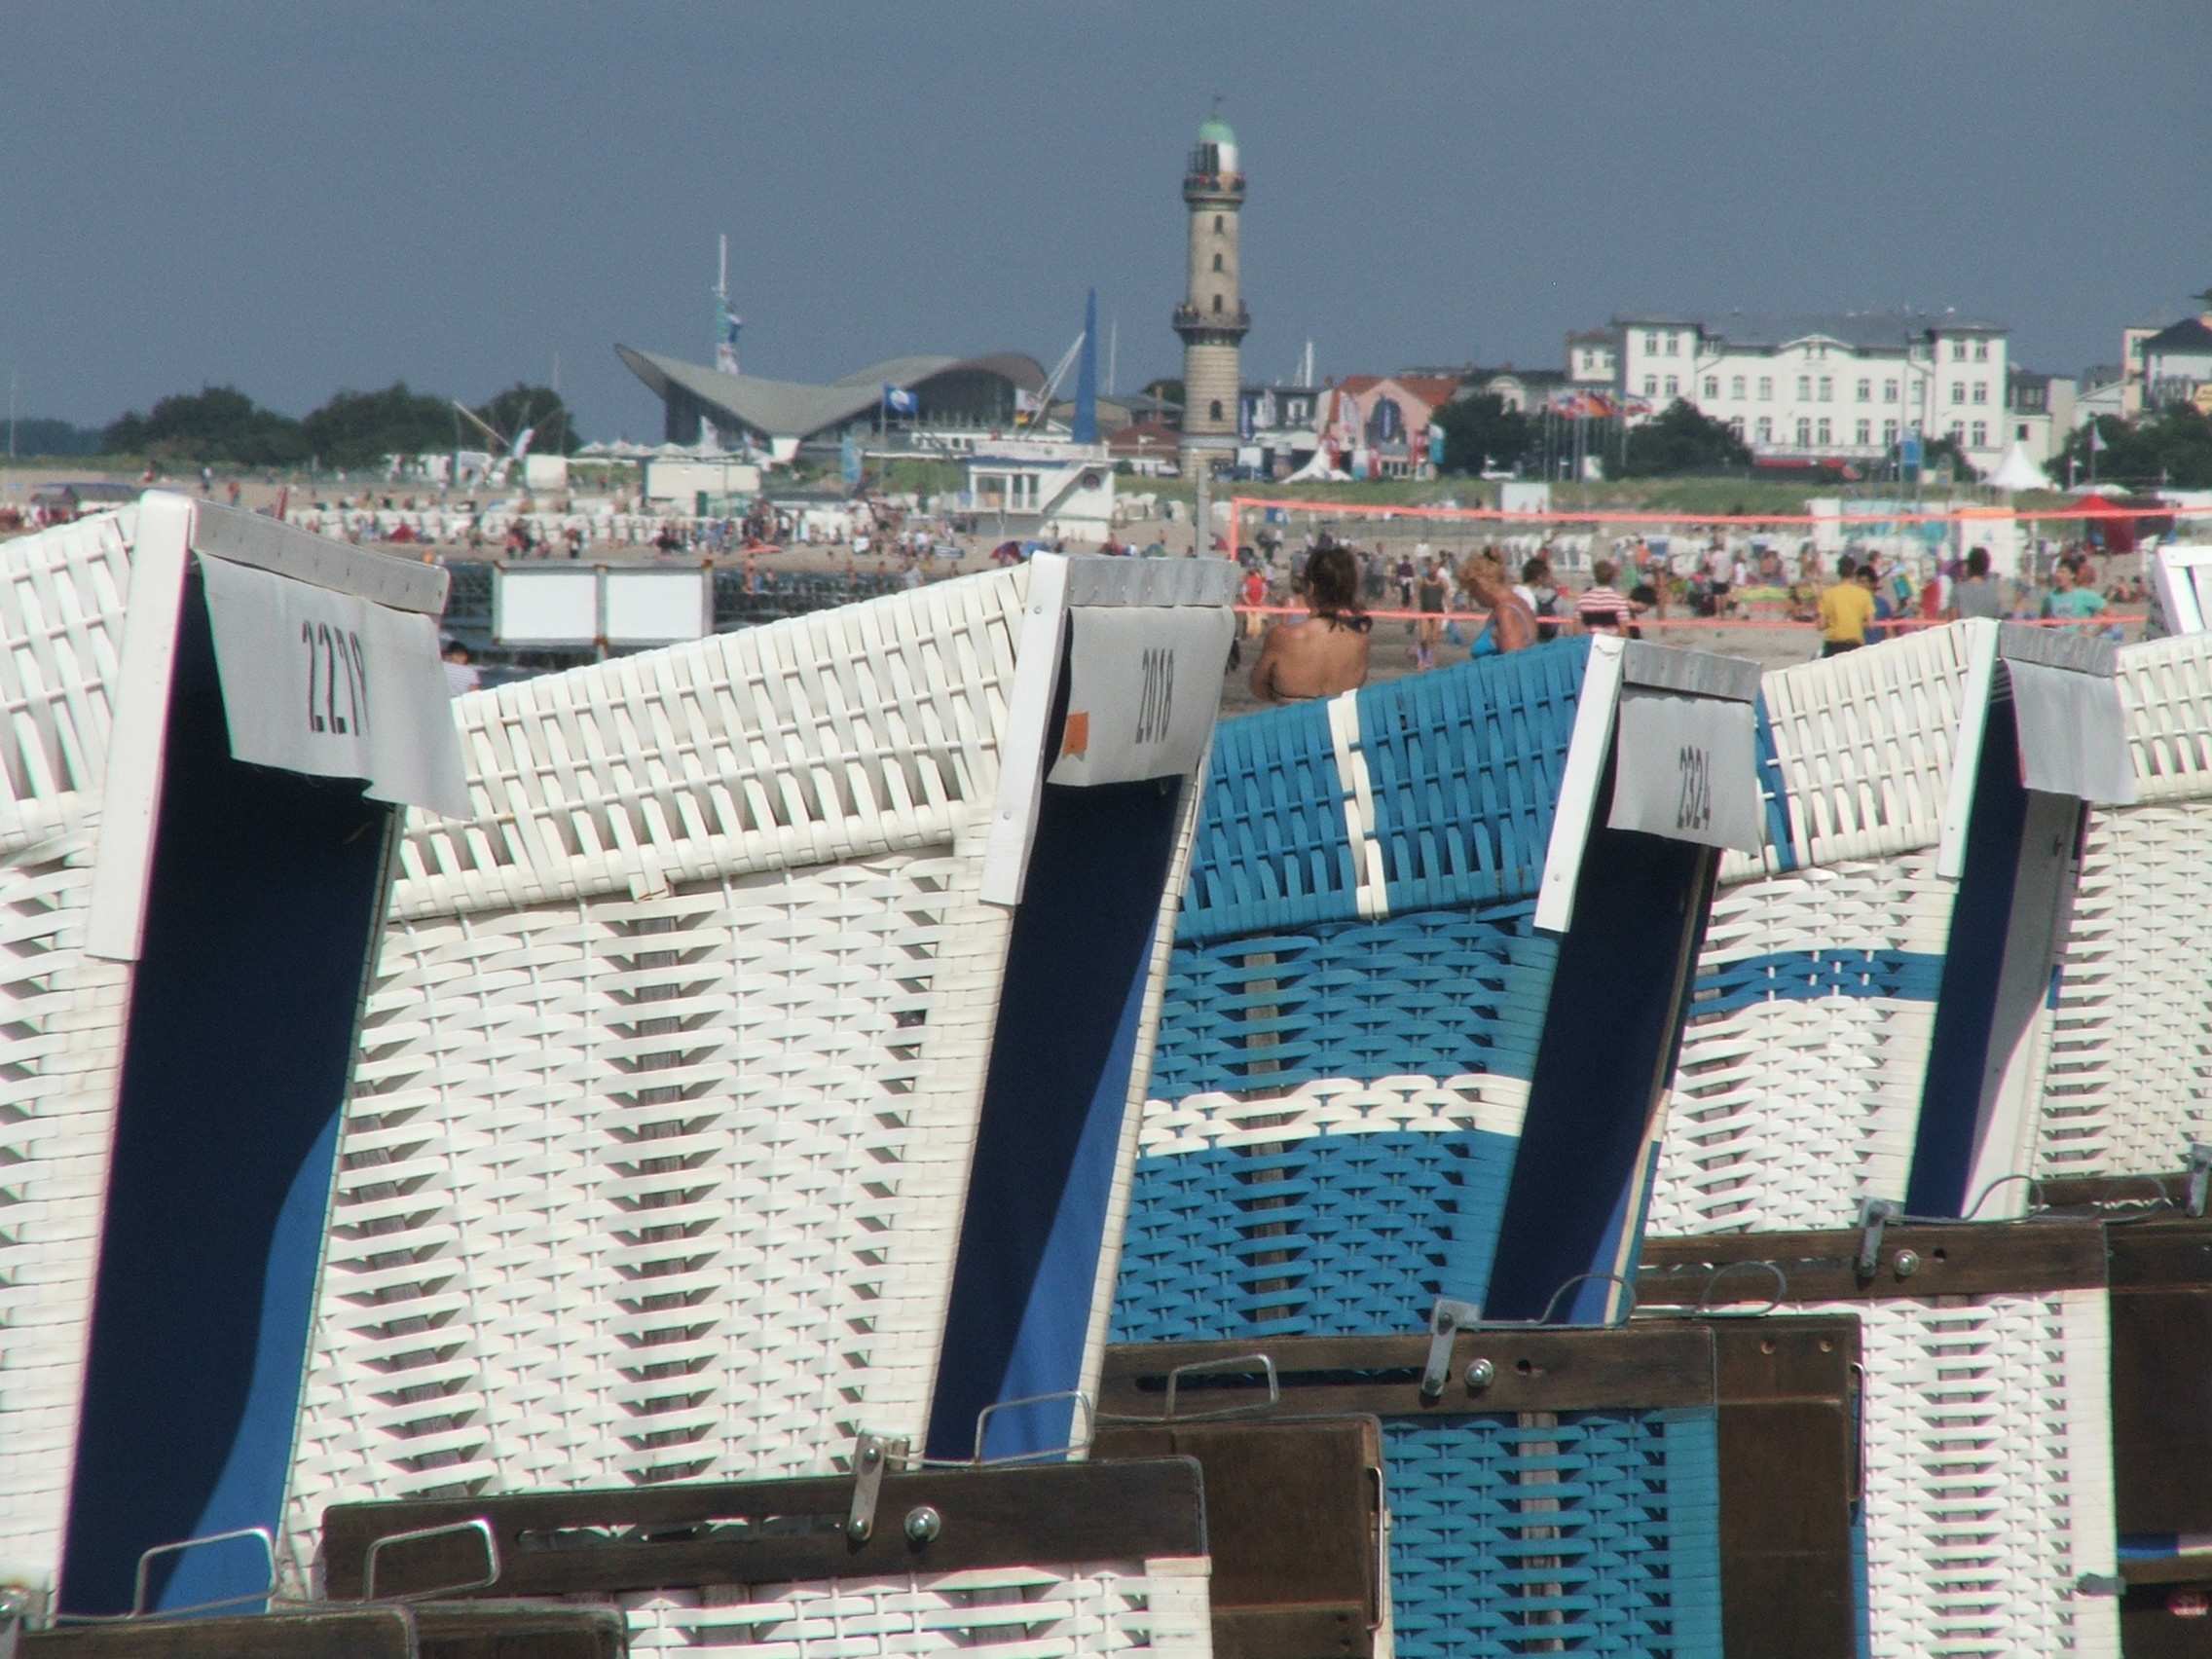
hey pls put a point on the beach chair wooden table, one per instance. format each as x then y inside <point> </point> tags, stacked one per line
<point>1644,1489</point>
<point>1987,1428</point>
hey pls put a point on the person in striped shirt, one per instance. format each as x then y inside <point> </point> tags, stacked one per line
<point>1602,607</point>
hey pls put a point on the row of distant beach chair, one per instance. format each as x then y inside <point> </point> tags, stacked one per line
<point>1448,1203</point>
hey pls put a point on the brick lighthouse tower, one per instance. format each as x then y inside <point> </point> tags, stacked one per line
<point>1212,319</point>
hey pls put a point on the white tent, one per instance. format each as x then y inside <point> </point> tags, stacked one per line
<point>2016,471</point>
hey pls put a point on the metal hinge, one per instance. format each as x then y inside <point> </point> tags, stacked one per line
<point>871,1456</point>
<point>1873,1215</point>
<point>1444,1321</point>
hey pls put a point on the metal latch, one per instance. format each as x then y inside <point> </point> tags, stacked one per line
<point>870,1458</point>
<point>1445,1320</point>
<point>2100,1584</point>
<point>1873,1215</point>
<point>2199,1177</point>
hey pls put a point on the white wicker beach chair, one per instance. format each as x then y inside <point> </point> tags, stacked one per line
<point>752,1067</point>
<point>193,880</point>
<point>1874,991</point>
<point>2130,1067</point>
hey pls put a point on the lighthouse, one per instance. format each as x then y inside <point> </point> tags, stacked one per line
<point>1212,319</point>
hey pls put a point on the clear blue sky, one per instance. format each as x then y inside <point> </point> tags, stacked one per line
<point>298,198</point>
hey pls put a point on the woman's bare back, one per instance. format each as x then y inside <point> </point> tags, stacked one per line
<point>1317,657</point>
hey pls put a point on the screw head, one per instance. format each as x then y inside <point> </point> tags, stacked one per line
<point>1481,1373</point>
<point>923,1524</point>
<point>1907,1263</point>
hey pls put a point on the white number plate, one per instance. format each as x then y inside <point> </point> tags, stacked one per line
<point>1144,686</point>
<point>1687,768</point>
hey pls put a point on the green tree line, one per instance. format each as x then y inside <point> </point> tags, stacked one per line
<point>2172,447</point>
<point>219,425</point>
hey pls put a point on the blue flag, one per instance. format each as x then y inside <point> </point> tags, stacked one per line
<point>898,400</point>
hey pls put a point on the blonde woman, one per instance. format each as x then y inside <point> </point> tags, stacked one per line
<point>1512,625</point>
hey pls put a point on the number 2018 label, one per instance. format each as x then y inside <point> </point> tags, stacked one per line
<point>338,681</point>
<point>1693,806</point>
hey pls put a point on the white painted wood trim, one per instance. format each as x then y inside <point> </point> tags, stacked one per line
<point>1966,746</point>
<point>131,794</point>
<point>1579,781</point>
<point>1023,759</point>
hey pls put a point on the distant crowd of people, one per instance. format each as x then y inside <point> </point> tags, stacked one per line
<point>1325,650</point>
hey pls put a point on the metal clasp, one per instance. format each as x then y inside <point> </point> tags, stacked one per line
<point>479,1528</point>
<point>1444,1321</point>
<point>1873,1215</point>
<point>870,1458</point>
<point>1266,1367</point>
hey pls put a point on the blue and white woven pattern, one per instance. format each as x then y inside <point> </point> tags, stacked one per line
<point>1353,1009</point>
<point>2130,1065</point>
<point>62,595</point>
<point>1799,1087</point>
<point>1570,1531</point>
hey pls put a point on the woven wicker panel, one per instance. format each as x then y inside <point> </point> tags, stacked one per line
<point>1334,1208</point>
<point>1433,993</point>
<point>2166,686</point>
<point>62,1017</point>
<point>1271,849</point>
<point>1462,773</point>
<point>1570,1531</point>
<point>651,1190</point>
<point>870,728</point>
<point>1988,1456</point>
<point>2130,1066</point>
<point>1048,1612</point>
<point>62,593</point>
<point>62,603</point>
<point>1799,1087</point>
<point>1863,742</point>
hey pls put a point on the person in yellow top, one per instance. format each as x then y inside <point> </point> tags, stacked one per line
<point>1847,606</point>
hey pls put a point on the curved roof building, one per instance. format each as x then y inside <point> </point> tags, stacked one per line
<point>781,415</point>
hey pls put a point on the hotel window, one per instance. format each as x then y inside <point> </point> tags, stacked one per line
<point>1766,388</point>
<point>1804,388</point>
<point>1217,262</point>
<point>1713,385</point>
<point>1981,391</point>
<point>1766,429</point>
<point>1804,433</point>
<point>1736,428</point>
<point>1958,433</point>
<point>1958,350</point>
<point>1672,340</point>
<point>1865,392</point>
<point>1651,385</point>
<point>1866,434</point>
<point>1981,434</point>
<point>1736,386</point>
<point>1674,386</point>
<point>1958,391</point>
<point>1651,345</point>
<point>1889,431</point>
<point>1981,350</point>
<point>1828,389</point>
<point>1889,392</point>
<point>1823,432</point>
<point>2021,431</point>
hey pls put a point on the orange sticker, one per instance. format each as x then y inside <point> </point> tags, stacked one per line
<point>1075,740</point>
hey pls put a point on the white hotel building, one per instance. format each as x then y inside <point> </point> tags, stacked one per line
<point>1816,387</point>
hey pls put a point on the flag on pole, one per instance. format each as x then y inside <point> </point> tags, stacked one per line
<point>2096,439</point>
<point>727,330</point>
<point>898,400</point>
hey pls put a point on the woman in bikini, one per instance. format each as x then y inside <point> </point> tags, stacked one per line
<point>1512,625</point>
<point>1325,653</point>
